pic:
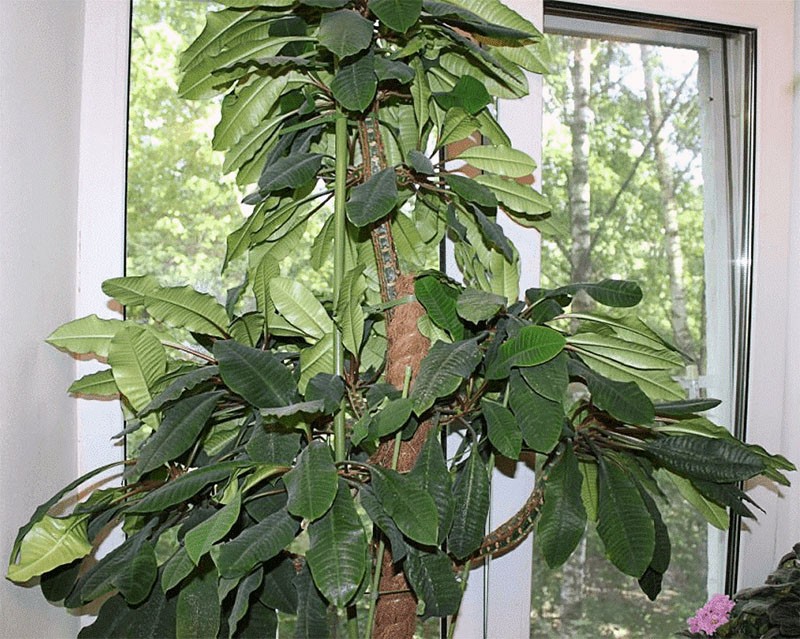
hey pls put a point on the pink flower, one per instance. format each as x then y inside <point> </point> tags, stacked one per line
<point>711,616</point>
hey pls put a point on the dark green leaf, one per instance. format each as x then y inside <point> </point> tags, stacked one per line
<point>329,388</point>
<point>176,388</point>
<point>58,583</point>
<point>623,400</point>
<point>198,540</point>
<point>468,94</point>
<point>178,431</point>
<point>563,517</point>
<point>431,473</point>
<point>344,32</point>
<point>412,509</point>
<point>256,544</point>
<point>727,495</point>
<point>502,428</point>
<point>432,578</point>
<point>312,483</point>
<point>154,619</point>
<point>277,590</point>
<point>398,15</point>
<point>312,610</point>
<point>541,420</point>
<point>650,581</point>
<point>355,83</point>
<point>442,371</point>
<point>471,191</point>
<point>420,162</point>
<point>439,300</point>
<point>549,379</point>
<point>291,172</point>
<point>177,568</point>
<point>471,494</point>
<point>273,447</point>
<point>261,621</point>
<point>241,604</point>
<point>258,376</point>
<point>387,69</point>
<point>338,550</point>
<point>685,407</point>
<point>706,458</point>
<point>198,610</point>
<point>383,521</point>
<point>373,200</point>
<point>623,521</point>
<point>390,418</point>
<point>478,306</point>
<point>617,293</point>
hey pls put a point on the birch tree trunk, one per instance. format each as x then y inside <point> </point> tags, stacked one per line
<point>669,209</point>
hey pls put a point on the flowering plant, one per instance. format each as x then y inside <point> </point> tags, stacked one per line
<point>714,614</point>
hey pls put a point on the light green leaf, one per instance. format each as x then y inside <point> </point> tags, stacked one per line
<point>137,361</point>
<point>315,360</point>
<point>100,384</point>
<point>130,291</point>
<point>431,473</point>
<point>502,160</point>
<point>344,32</point>
<point>348,314</point>
<point>312,483</point>
<point>374,199</point>
<point>239,240</point>
<point>198,540</point>
<point>623,521</point>
<point>177,568</point>
<point>258,376</point>
<point>244,110</point>
<point>589,494</point>
<point>300,307</point>
<point>184,307</point>
<point>655,384</point>
<point>338,550</point>
<point>531,346</point>
<point>48,544</point>
<point>522,202</point>
<point>439,300</point>
<point>442,371</point>
<point>478,306</point>
<point>714,514</point>
<point>471,494</point>
<point>89,334</point>
<point>563,516</point>
<point>179,430</point>
<point>458,125</point>
<point>626,352</point>
<point>410,507</point>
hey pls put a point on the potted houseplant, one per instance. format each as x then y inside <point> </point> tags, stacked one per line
<point>286,450</point>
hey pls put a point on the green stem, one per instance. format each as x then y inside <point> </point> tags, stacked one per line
<point>339,239</point>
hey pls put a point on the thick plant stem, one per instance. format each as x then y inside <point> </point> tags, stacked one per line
<point>339,239</point>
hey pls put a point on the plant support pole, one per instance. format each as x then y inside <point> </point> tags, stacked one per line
<point>339,239</point>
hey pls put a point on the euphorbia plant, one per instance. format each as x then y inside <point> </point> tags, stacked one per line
<point>287,449</point>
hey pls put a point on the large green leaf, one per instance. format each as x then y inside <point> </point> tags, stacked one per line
<point>184,307</point>
<point>256,544</point>
<point>391,417</point>
<point>502,429</point>
<point>244,110</point>
<point>293,171</point>
<point>398,15</point>
<point>502,160</point>
<point>154,619</point>
<point>197,608</point>
<point>258,376</point>
<point>458,125</point>
<point>100,384</point>
<point>198,540</point>
<point>178,431</point>
<point>278,589</point>
<point>431,473</point>
<point>374,199</point>
<point>563,516</point>
<point>315,360</point>
<point>382,520</point>
<point>478,306</point>
<point>432,578</point>
<point>338,550</point>
<point>355,83</point>
<point>471,494</point>
<point>312,483</point>
<point>653,383</point>
<point>524,204</point>
<point>706,458</point>
<point>623,400</point>
<point>312,609</point>
<point>187,486</point>
<point>493,233</point>
<point>241,603</point>
<point>344,32</point>
<point>550,379</point>
<point>348,314</point>
<point>49,543</point>
<point>130,291</point>
<point>137,360</point>
<point>714,514</point>
<point>531,346</point>
<point>412,509</point>
<point>442,371</point>
<point>625,351</point>
<point>623,521</point>
<point>300,307</point>
<point>439,300</point>
<point>184,382</point>
<point>87,335</point>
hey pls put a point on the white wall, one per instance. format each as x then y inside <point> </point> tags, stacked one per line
<point>41,44</point>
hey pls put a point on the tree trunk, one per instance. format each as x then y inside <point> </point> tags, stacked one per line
<point>669,209</point>
<point>579,191</point>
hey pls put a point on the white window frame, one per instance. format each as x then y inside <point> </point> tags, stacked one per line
<point>773,403</point>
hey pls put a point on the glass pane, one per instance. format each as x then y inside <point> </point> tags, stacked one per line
<point>627,169</point>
